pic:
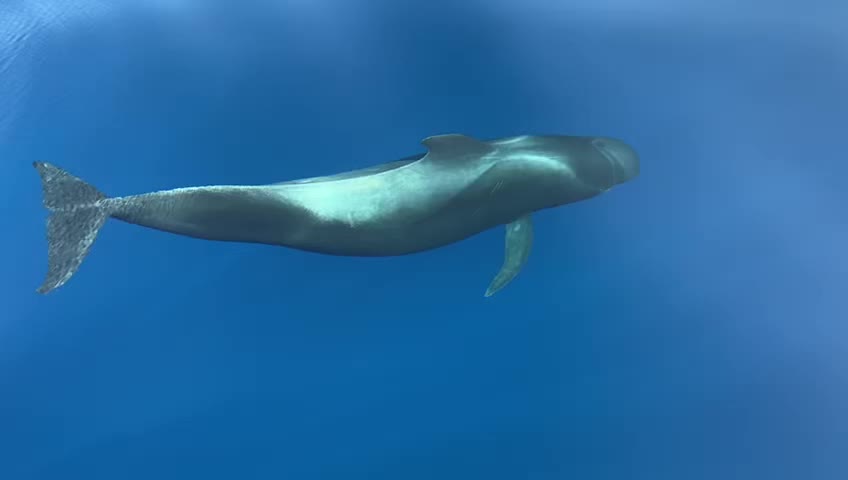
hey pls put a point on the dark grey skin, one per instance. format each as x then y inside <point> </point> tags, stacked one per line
<point>459,188</point>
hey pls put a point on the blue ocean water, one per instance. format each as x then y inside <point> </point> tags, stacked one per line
<point>689,324</point>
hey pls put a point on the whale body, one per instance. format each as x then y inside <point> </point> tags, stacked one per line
<point>460,187</point>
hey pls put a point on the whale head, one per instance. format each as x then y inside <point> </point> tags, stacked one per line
<point>623,160</point>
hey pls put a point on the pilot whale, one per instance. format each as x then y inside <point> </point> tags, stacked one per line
<point>459,187</point>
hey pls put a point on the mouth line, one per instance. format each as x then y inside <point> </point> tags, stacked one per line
<point>612,162</point>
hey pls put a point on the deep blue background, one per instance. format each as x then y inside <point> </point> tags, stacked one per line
<point>690,324</point>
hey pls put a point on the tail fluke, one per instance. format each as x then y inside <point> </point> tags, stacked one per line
<point>77,213</point>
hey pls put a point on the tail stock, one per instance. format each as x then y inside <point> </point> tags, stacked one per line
<point>77,213</point>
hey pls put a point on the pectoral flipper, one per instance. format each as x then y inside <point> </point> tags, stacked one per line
<point>519,241</point>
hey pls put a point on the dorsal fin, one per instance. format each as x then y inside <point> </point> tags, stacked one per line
<point>453,146</point>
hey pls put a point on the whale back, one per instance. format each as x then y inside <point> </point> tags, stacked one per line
<point>361,172</point>
<point>449,149</point>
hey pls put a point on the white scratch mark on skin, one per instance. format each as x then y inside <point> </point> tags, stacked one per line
<point>497,187</point>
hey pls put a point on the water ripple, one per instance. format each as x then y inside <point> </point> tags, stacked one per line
<point>24,26</point>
